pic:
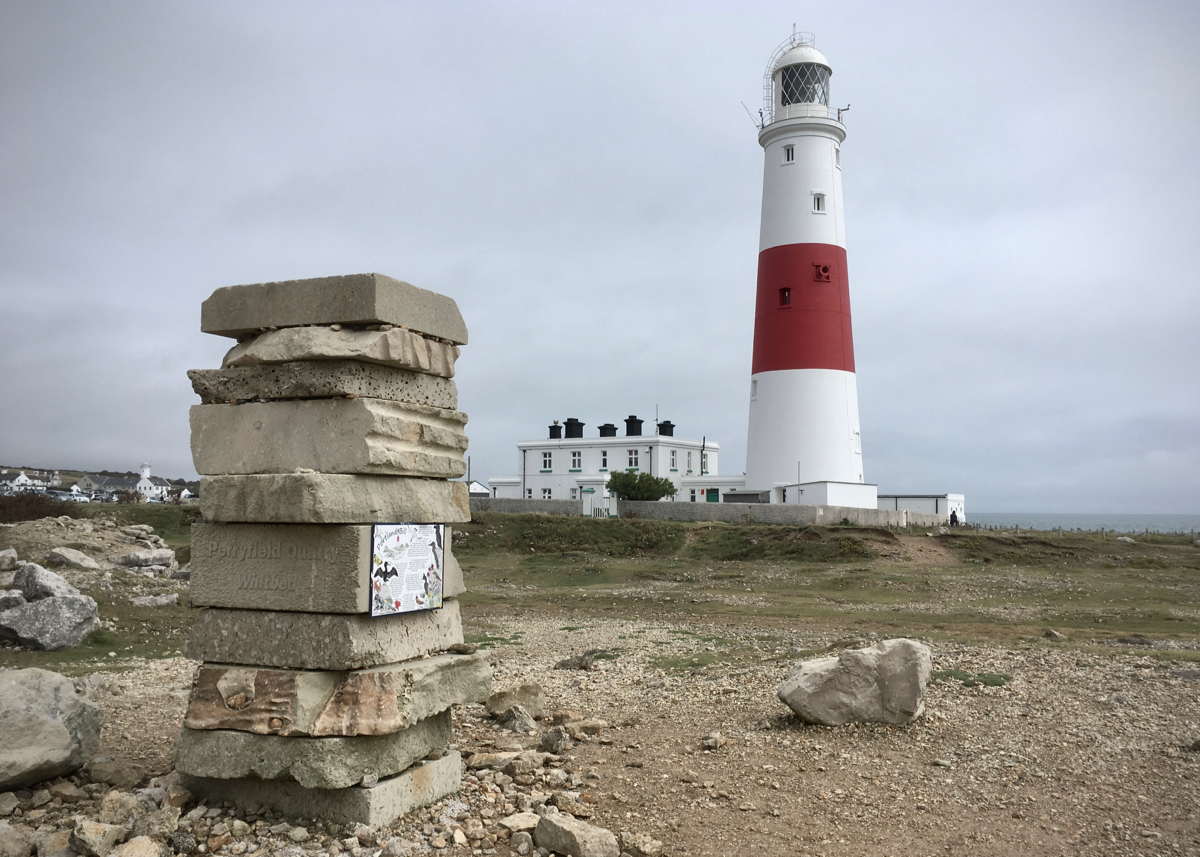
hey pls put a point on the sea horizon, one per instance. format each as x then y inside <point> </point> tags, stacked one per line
<point>1087,521</point>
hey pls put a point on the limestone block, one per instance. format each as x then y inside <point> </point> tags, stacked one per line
<point>333,498</point>
<point>315,763</point>
<point>329,436</point>
<point>377,806</point>
<point>401,349</point>
<point>322,379</point>
<point>310,568</point>
<point>348,299</point>
<point>377,701</point>
<point>884,683</point>
<point>321,641</point>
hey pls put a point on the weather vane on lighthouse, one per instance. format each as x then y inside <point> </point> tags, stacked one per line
<point>803,428</point>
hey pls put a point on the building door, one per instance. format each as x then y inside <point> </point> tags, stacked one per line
<point>712,496</point>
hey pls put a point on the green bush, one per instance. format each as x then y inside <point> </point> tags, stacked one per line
<point>640,486</point>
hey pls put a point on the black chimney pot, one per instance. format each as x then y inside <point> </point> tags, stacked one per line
<point>608,430</point>
<point>556,431</point>
<point>666,428</point>
<point>574,427</point>
<point>633,426</point>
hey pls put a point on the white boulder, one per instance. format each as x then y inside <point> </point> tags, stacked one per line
<point>884,683</point>
<point>72,558</point>
<point>38,583</point>
<point>50,624</point>
<point>46,728</point>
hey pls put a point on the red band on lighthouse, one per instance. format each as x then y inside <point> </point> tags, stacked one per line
<point>802,314</point>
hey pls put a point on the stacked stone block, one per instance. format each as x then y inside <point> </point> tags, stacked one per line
<point>335,410</point>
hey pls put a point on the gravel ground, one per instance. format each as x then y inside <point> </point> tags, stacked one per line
<point>1076,753</point>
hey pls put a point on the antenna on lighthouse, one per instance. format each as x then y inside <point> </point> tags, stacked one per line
<point>757,124</point>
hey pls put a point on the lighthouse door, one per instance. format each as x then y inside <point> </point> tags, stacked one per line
<point>712,496</point>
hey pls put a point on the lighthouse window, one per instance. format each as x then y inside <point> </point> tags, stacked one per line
<point>804,84</point>
<point>547,461</point>
<point>818,203</point>
<point>633,458</point>
<point>789,154</point>
<point>785,297</point>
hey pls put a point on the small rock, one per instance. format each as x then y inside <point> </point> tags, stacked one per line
<point>941,763</point>
<point>140,846</point>
<point>13,842</point>
<point>72,559</point>
<point>68,792</point>
<point>463,648</point>
<point>10,598</point>
<point>140,559</point>
<point>521,843</point>
<point>563,716</point>
<point>568,835</point>
<point>556,740</point>
<point>1051,634</point>
<point>298,834</point>
<point>183,842</point>
<point>529,696</point>
<point>117,773</point>
<point>8,559</point>
<point>520,821</point>
<point>1126,539</point>
<point>8,802</point>
<point>156,600</point>
<point>118,807</point>
<point>95,838</point>
<point>52,843</point>
<point>517,719</point>
<point>365,835</point>
<point>161,823</point>
<point>586,661</point>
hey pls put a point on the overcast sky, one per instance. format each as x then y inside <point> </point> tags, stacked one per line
<point>1022,198</point>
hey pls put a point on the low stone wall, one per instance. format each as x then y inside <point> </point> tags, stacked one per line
<point>740,513</point>
<point>516,506</point>
<point>733,513</point>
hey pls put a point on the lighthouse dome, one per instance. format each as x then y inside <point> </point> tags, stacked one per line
<point>802,55</point>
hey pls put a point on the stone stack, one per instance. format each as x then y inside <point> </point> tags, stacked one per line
<point>336,410</point>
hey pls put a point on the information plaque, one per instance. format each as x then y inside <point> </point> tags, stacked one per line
<point>406,567</point>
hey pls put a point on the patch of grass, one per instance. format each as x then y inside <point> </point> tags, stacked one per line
<point>967,679</point>
<point>487,641</point>
<point>571,628</point>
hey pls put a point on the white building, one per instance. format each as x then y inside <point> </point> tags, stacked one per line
<point>150,487</point>
<point>931,504</point>
<point>568,466</point>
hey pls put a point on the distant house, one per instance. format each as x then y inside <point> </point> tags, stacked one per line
<point>150,487</point>
<point>477,489</point>
<point>23,480</point>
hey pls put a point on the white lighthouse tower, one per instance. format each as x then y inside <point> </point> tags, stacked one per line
<point>803,443</point>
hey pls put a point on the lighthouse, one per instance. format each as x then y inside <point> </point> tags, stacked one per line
<point>803,440</point>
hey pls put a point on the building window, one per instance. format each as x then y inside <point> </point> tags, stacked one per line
<point>604,458</point>
<point>789,154</point>
<point>674,462</point>
<point>837,158</point>
<point>528,493</point>
<point>577,460</point>
<point>574,495</point>
<point>693,497</point>
<point>703,463</point>
<point>785,297</point>
<point>545,493</point>
<point>547,461</point>
<point>633,457</point>
<point>753,389</point>
<point>818,203</point>
<point>689,467</point>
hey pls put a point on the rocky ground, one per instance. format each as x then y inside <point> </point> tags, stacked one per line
<point>1027,746</point>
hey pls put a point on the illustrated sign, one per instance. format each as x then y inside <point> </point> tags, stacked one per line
<point>406,567</point>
